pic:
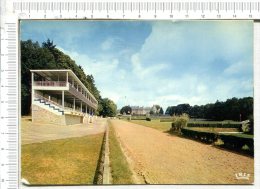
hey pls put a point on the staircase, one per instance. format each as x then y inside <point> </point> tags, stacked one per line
<point>46,104</point>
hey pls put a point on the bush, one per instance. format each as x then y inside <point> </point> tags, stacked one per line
<point>237,142</point>
<point>179,122</point>
<point>203,136</point>
<point>250,126</point>
<point>148,119</point>
<point>231,141</point>
<point>215,124</point>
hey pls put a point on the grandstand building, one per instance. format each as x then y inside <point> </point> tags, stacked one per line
<point>59,97</point>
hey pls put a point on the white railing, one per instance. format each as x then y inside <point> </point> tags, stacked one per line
<point>81,96</point>
<point>50,83</point>
<point>47,100</point>
<point>67,109</point>
<point>71,110</point>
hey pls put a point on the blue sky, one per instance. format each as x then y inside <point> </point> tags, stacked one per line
<point>157,62</point>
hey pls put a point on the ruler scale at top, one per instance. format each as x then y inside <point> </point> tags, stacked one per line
<point>9,129</point>
<point>138,10</point>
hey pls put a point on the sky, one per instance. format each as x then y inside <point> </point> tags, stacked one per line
<point>142,63</point>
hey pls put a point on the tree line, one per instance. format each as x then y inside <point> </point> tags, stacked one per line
<point>47,56</point>
<point>238,109</point>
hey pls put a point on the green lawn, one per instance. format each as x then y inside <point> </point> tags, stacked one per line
<point>155,124</point>
<point>121,174</point>
<point>64,161</point>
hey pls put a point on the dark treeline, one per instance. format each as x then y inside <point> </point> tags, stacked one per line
<point>47,56</point>
<point>231,109</point>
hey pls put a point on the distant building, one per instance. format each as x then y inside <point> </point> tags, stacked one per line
<point>137,110</point>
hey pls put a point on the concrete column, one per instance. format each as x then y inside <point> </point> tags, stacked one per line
<point>67,79</point>
<point>32,97</point>
<point>74,104</point>
<point>63,100</point>
<point>81,106</point>
<point>73,82</point>
<point>32,83</point>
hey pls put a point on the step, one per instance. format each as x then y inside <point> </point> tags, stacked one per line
<point>50,105</point>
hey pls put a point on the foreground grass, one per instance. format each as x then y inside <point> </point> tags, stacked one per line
<point>155,124</point>
<point>64,161</point>
<point>121,174</point>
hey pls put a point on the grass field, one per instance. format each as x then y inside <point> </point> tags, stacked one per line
<point>63,161</point>
<point>155,124</point>
<point>121,174</point>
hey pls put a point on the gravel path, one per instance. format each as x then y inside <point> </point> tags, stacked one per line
<point>36,132</point>
<point>160,158</point>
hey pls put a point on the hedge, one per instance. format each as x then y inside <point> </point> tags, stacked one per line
<point>214,124</point>
<point>231,141</point>
<point>207,137</point>
<point>148,119</point>
<point>237,142</point>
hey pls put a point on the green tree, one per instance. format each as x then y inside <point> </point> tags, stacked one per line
<point>47,56</point>
<point>126,110</point>
<point>161,111</point>
<point>108,108</point>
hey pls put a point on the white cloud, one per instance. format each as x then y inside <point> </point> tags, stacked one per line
<point>176,65</point>
<point>107,44</point>
<point>240,67</point>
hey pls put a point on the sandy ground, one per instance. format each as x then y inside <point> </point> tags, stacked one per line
<point>37,132</point>
<point>160,158</point>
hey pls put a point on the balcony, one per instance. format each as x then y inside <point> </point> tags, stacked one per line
<point>63,84</point>
<point>81,96</point>
<point>50,83</point>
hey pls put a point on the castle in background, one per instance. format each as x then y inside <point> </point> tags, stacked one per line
<point>137,110</point>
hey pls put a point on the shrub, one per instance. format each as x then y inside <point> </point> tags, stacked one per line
<point>215,124</point>
<point>245,126</point>
<point>230,141</point>
<point>203,136</point>
<point>237,142</point>
<point>179,122</point>
<point>148,119</point>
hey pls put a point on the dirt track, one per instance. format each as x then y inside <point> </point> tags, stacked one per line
<point>160,158</point>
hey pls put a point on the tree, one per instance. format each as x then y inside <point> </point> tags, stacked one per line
<point>126,110</point>
<point>47,56</point>
<point>108,108</point>
<point>161,111</point>
<point>232,109</point>
<point>49,45</point>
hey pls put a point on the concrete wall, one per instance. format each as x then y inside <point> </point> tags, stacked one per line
<point>73,119</point>
<point>41,115</point>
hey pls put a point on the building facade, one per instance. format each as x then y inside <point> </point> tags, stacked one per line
<point>136,110</point>
<point>59,97</point>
